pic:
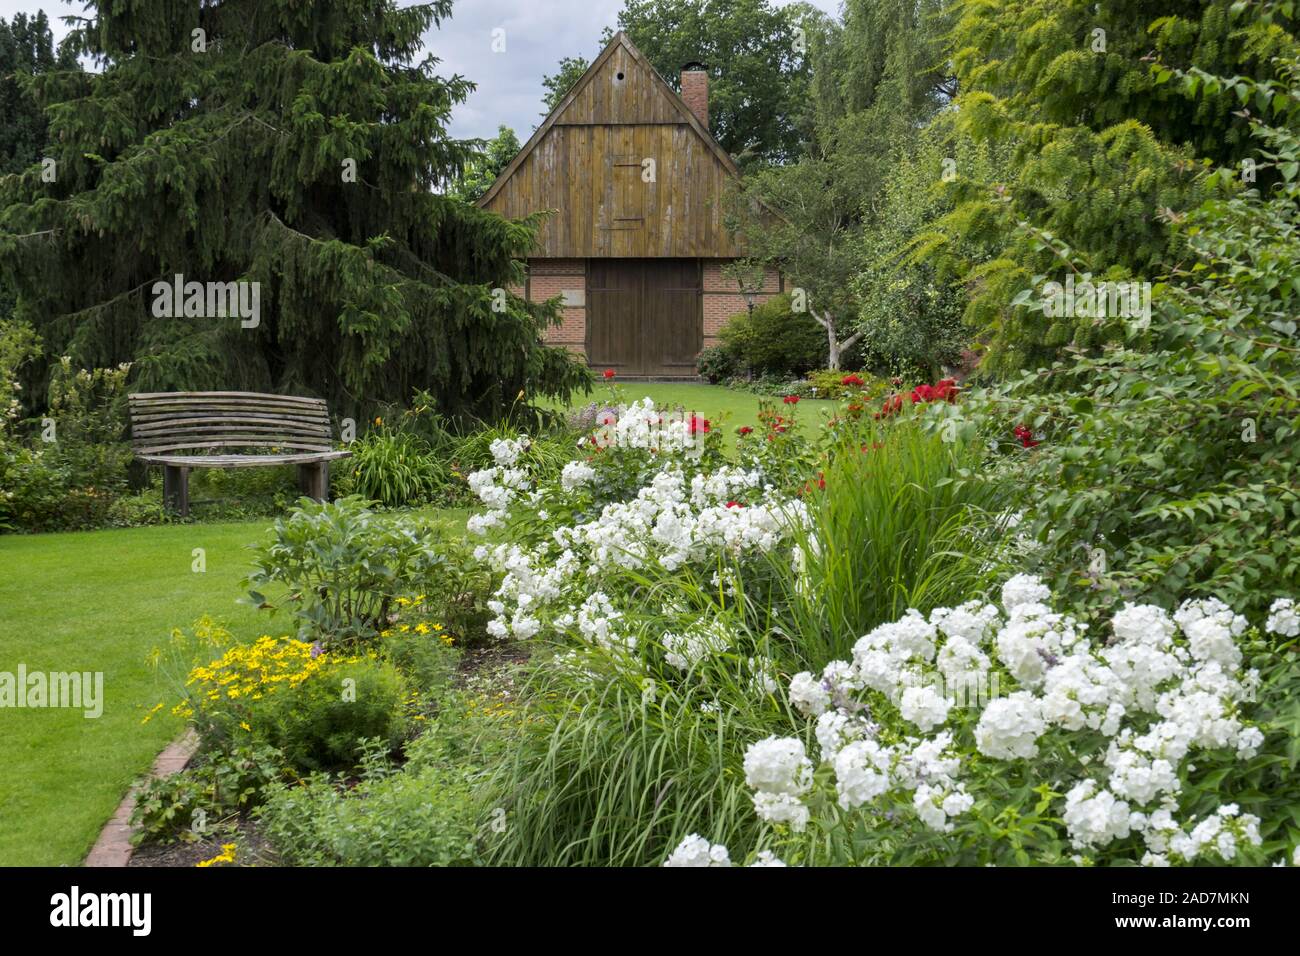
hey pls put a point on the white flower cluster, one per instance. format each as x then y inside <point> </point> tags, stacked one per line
<point>1163,687</point>
<point>671,522</point>
<point>642,425</point>
<point>697,851</point>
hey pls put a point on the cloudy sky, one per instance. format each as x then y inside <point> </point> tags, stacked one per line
<point>537,34</point>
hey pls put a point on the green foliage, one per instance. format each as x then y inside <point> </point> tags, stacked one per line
<point>422,815</point>
<point>878,77</point>
<point>1101,147</point>
<point>567,73</point>
<point>758,81</point>
<point>717,363</point>
<point>320,723</point>
<point>909,311</point>
<point>217,786</point>
<point>26,48</point>
<point>175,161</point>
<point>343,566</point>
<point>773,339</point>
<point>904,520</point>
<point>394,468</point>
<point>1169,465</point>
<point>483,168</point>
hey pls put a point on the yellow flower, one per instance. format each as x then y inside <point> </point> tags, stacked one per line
<point>149,716</point>
<point>244,724</point>
<point>227,855</point>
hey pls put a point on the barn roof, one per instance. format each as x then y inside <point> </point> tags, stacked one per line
<point>666,95</point>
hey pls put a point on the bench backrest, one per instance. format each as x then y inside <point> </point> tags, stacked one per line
<point>201,421</point>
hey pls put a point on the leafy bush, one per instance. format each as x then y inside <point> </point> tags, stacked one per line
<point>1168,464</point>
<point>774,339</point>
<point>717,363</point>
<point>218,785</point>
<point>321,723</point>
<point>314,706</point>
<point>343,565</point>
<point>422,815</point>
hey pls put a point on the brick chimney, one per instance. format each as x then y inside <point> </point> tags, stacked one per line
<point>695,91</point>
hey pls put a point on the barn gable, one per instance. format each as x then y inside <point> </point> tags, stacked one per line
<point>628,168</point>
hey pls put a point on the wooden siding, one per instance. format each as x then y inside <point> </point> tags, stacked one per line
<point>586,163</point>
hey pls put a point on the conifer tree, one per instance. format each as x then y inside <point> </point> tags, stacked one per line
<point>300,146</point>
<point>1107,157</point>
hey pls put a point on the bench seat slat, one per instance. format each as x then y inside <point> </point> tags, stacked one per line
<point>166,397</point>
<point>242,461</point>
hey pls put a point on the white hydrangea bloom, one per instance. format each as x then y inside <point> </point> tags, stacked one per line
<point>576,474</point>
<point>1095,818</point>
<point>808,696</point>
<point>778,765</point>
<point>1283,618</point>
<point>766,858</point>
<point>924,706</point>
<point>697,851</point>
<point>1024,589</point>
<point>861,773</point>
<point>1010,727</point>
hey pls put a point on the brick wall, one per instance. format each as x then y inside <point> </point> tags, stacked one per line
<point>548,278</point>
<point>723,299</point>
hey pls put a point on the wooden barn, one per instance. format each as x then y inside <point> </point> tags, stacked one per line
<point>636,243</point>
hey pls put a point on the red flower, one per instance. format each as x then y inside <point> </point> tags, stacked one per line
<point>892,404</point>
<point>821,480</point>
<point>699,425</point>
<point>852,379</point>
<point>734,504</point>
<point>610,373</point>
<point>1026,436</point>
<point>745,429</point>
<point>791,399</point>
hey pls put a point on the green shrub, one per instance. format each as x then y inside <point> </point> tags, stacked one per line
<point>394,468</point>
<point>187,804</point>
<point>1167,465</point>
<point>343,565</point>
<point>422,815</point>
<point>319,724</point>
<point>829,383</point>
<point>717,363</point>
<point>774,339</point>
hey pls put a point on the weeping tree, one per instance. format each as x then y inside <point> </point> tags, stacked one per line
<point>296,151</point>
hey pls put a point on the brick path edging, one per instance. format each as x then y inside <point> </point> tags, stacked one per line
<point>113,848</point>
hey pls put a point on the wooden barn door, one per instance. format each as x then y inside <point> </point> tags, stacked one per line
<point>643,316</point>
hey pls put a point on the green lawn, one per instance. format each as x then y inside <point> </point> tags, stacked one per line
<point>99,601</point>
<point>724,407</point>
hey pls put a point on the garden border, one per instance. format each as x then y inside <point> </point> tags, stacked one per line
<point>113,848</point>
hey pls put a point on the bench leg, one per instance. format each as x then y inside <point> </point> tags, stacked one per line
<point>314,480</point>
<point>176,489</point>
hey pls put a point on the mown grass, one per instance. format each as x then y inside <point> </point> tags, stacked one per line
<point>98,601</point>
<point>726,408</point>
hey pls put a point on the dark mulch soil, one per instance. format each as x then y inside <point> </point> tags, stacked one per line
<point>487,661</point>
<point>253,849</point>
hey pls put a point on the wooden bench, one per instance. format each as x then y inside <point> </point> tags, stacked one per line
<point>184,430</point>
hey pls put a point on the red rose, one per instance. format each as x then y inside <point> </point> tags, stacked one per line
<point>791,399</point>
<point>852,380</point>
<point>699,425</point>
<point>610,373</point>
<point>745,429</point>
